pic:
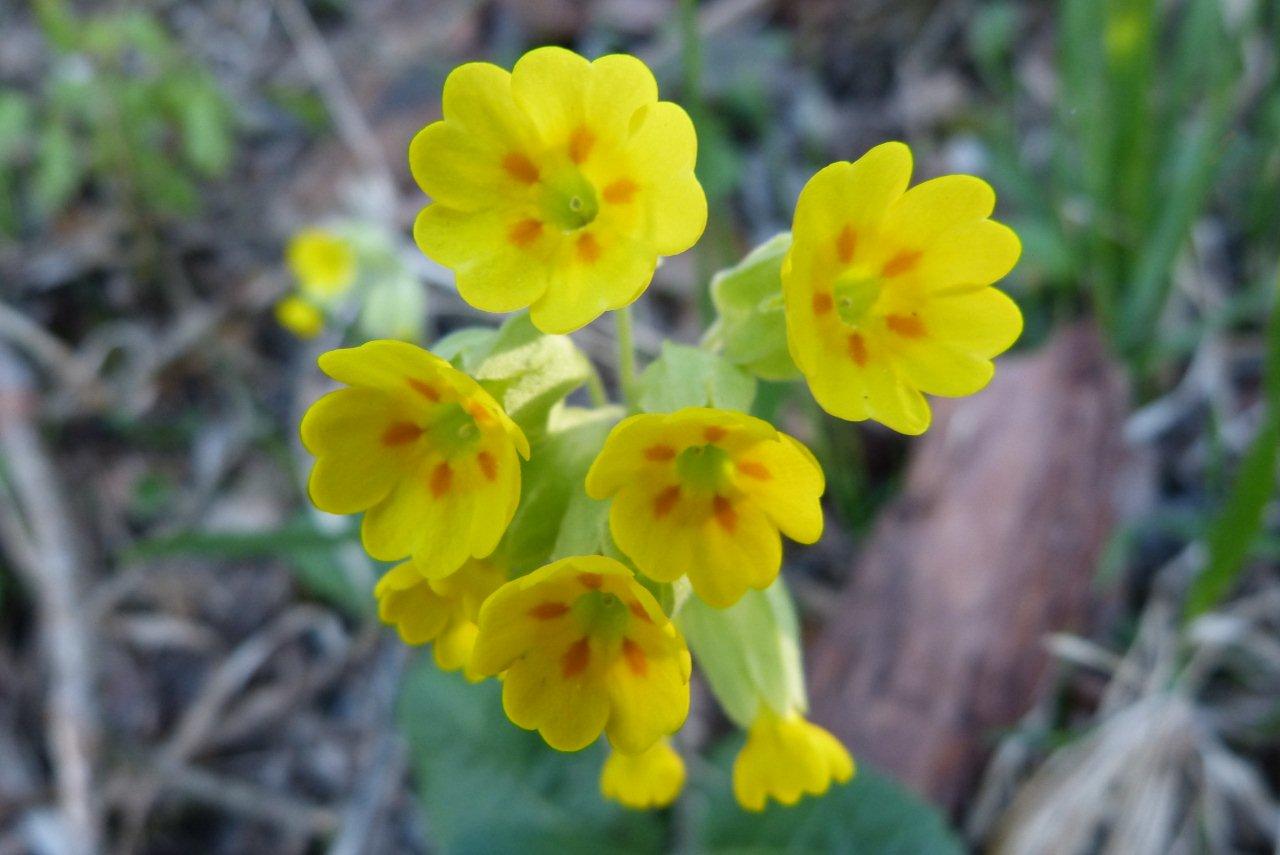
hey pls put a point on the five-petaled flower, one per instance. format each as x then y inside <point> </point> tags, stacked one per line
<point>324,263</point>
<point>427,454</point>
<point>887,291</point>
<point>651,779</point>
<point>585,649</point>
<point>705,492</point>
<point>785,757</point>
<point>442,611</point>
<point>557,185</point>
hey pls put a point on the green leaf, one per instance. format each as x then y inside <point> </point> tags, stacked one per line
<point>15,123</point>
<point>870,815</point>
<point>684,376</point>
<point>752,328</point>
<point>206,122</point>
<point>488,787</point>
<point>465,347</point>
<point>394,306</point>
<point>58,169</point>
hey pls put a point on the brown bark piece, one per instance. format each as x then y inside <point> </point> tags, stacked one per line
<point>994,542</point>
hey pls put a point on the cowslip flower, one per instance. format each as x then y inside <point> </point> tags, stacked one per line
<point>886,289</point>
<point>651,779</point>
<point>324,263</point>
<point>556,186</point>
<point>428,455</point>
<point>299,316</point>
<point>785,757</point>
<point>705,492</point>
<point>441,611</point>
<point>585,649</point>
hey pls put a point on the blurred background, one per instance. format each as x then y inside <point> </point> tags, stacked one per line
<point>1050,625</point>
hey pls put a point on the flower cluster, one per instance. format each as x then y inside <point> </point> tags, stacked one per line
<point>580,556</point>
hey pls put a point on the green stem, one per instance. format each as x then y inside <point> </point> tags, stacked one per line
<point>595,388</point>
<point>626,356</point>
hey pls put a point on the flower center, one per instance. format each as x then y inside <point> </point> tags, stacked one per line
<point>601,615</point>
<point>452,429</point>
<point>855,293</point>
<point>705,467</point>
<point>568,200</point>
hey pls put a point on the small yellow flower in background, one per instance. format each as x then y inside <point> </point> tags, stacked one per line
<point>556,186</point>
<point>786,757</point>
<point>585,649</point>
<point>442,611</point>
<point>652,779</point>
<point>299,317</point>
<point>324,263</point>
<point>427,454</point>
<point>887,288</point>
<point>704,493</point>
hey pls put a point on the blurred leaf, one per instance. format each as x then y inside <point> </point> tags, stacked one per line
<point>870,815</point>
<point>395,306</point>
<point>488,787</point>
<point>15,123</point>
<point>57,171</point>
<point>205,119</point>
<point>465,347</point>
<point>684,376</point>
<point>752,328</point>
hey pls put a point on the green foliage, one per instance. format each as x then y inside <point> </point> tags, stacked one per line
<point>684,376</point>
<point>751,328</point>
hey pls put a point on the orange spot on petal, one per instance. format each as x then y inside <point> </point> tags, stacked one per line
<point>659,453</point>
<point>479,412</point>
<point>639,612</point>
<point>524,232</point>
<point>620,192</point>
<point>908,326</point>
<point>575,659</point>
<point>580,143</point>
<point>488,466</point>
<point>400,433</point>
<point>424,389</point>
<point>823,303</point>
<point>846,242</point>
<point>520,168</point>
<point>857,349</point>
<point>588,248</point>
<point>591,580</point>
<point>724,513</point>
<point>548,611</point>
<point>715,433</point>
<point>441,479</point>
<point>665,501</point>
<point>900,263</point>
<point>752,469</point>
<point>636,660</point>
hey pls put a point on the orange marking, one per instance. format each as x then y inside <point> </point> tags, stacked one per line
<point>575,659</point>
<point>846,241</point>
<point>900,263</point>
<point>580,144</point>
<point>400,433</point>
<point>591,580</point>
<point>666,501</point>
<point>724,513</point>
<point>636,660</point>
<point>441,479</point>
<point>659,453</point>
<point>908,326</point>
<point>488,466</point>
<point>715,433</point>
<point>588,248</point>
<point>520,168</point>
<point>752,469</point>
<point>478,412</point>
<point>548,611</point>
<point>424,389</point>
<point>823,303</point>
<point>857,349</point>
<point>639,612</point>
<point>524,232</point>
<point>620,191</point>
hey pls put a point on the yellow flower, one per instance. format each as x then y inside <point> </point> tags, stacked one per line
<point>887,288</point>
<point>418,446</point>
<point>651,779</point>
<point>557,185</point>
<point>323,263</point>
<point>786,757</point>
<point>443,611</point>
<point>705,492</point>
<point>299,317</point>
<point>585,649</point>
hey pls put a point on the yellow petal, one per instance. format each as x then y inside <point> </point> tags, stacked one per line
<point>895,404</point>
<point>932,207</point>
<point>651,779</point>
<point>786,757</point>
<point>662,152</point>
<point>784,479</point>
<point>299,317</point>
<point>618,272</point>
<point>452,649</point>
<point>570,712</point>
<point>649,705</point>
<point>324,263</point>
<point>969,256</point>
<point>617,87</point>
<point>856,194</point>
<point>477,96</point>
<point>549,85</point>
<point>460,169</point>
<point>387,364</point>
<point>406,601</point>
<point>354,469</point>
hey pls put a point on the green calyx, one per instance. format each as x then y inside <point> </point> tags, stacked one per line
<point>453,429</point>
<point>601,615</point>
<point>705,467</point>
<point>855,294</point>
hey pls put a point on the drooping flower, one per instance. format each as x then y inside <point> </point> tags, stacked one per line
<point>324,263</point>
<point>887,289</point>
<point>585,649</point>
<point>705,492</point>
<point>556,186</point>
<point>299,316</point>
<point>786,757</point>
<point>442,611</point>
<point>651,779</point>
<point>427,454</point>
